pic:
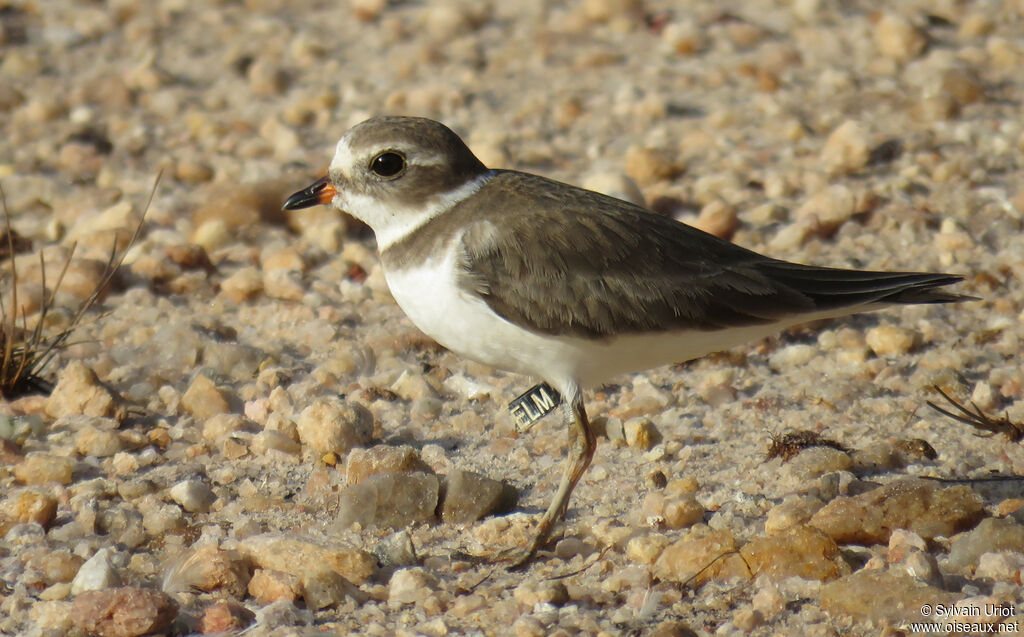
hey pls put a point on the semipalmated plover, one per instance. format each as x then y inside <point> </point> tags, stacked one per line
<point>563,284</point>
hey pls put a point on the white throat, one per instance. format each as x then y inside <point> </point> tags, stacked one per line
<point>392,224</point>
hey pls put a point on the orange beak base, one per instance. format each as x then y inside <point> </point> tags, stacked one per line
<point>320,192</point>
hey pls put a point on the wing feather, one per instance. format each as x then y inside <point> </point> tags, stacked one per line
<point>579,263</point>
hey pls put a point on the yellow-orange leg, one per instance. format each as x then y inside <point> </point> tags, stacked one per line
<point>582,444</point>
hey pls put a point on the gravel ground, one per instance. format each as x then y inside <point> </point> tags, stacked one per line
<point>194,469</point>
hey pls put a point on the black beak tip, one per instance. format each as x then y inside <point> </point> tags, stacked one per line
<point>307,197</point>
<point>299,201</point>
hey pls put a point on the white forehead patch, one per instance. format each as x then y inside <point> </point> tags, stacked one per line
<point>343,158</point>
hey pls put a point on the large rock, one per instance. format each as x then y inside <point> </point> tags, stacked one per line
<point>363,463</point>
<point>79,391</point>
<point>801,551</point>
<point>919,505</point>
<point>123,612</point>
<point>993,534</point>
<point>333,426</point>
<point>301,555</point>
<point>882,596</point>
<point>701,555</point>
<point>470,496</point>
<point>390,500</point>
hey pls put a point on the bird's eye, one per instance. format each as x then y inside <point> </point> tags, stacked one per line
<point>388,164</point>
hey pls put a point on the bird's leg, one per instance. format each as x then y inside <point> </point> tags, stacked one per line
<point>582,444</point>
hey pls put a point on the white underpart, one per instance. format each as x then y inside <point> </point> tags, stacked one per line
<point>464,323</point>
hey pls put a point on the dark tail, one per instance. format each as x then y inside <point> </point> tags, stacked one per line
<point>832,288</point>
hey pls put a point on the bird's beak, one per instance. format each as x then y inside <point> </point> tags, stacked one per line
<point>319,192</point>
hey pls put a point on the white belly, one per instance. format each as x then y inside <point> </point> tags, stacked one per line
<point>465,324</point>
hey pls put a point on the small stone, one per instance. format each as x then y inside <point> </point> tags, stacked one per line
<point>530,593</point>
<point>225,616</point>
<point>701,555</point>
<point>368,10</point>
<point>191,171</point>
<point>828,208</point>
<point>389,500</point>
<point>528,626</point>
<point>814,462</point>
<point>58,566</point>
<point>682,512</point>
<point>569,547</point>
<point>768,599</point>
<point>363,463</point>
<point>718,218</point>
<point>466,605</point>
<point>1002,566</point>
<point>800,551</point>
<point>902,542</point>
<point>684,37</point>
<point>78,391</point>
<point>891,340</point>
<point>412,386</point>
<point>270,440</point>
<point>747,619</point>
<point>515,529</point>
<point>283,284</point>
<point>98,442</point>
<point>1010,507</point>
<point>243,285</point>
<point>615,185</point>
<point>991,535</point>
<point>876,456</point>
<point>123,612</point>
<point>283,613</point>
<point>682,486</point>
<point>203,399</point>
<point>97,573</point>
<point>81,162</point>
<point>791,512</point>
<point>396,550</point>
<point>975,25</point>
<point>268,585</point>
<point>898,39</point>
<point>410,586</point>
<point>847,148</point>
<point>964,86</point>
<point>301,554</point>
<point>123,525</point>
<point>267,78</point>
<point>219,426</point>
<point>195,496</point>
<point>647,166</point>
<point>923,567</point>
<point>281,137</point>
<point>331,425</point>
<point>792,236</point>
<point>325,588</point>
<point>915,504</point>
<point>640,433</point>
<point>936,108</point>
<point>470,496</point>
<point>646,548</point>
<point>30,505</point>
<point>161,518</point>
<point>43,468</point>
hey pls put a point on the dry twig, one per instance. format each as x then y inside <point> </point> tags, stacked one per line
<point>24,352</point>
<point>1014,431</point>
